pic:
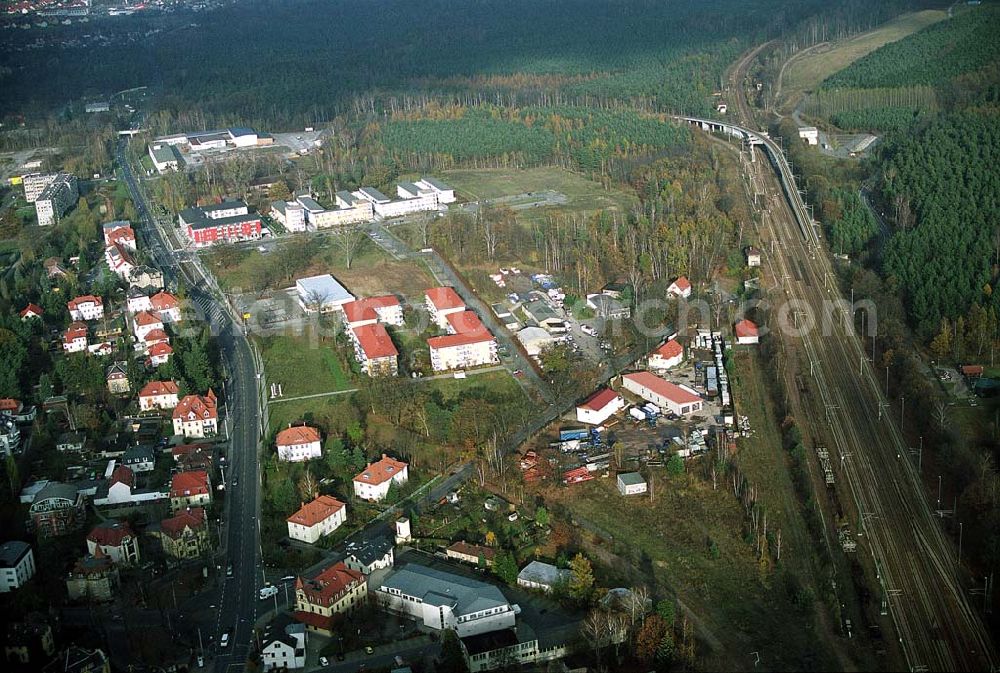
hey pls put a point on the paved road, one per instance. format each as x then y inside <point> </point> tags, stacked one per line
<point>916,565</point>
<point>238,599</point>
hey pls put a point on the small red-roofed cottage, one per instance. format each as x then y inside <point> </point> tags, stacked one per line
<point>145,322</point>
<point>746,332</point>
<point>680,288</point>
<point>31,311</point>
<point>196,415</point>
<point>577,475</point>
<point>666,356</point>
<point>116,539</point>
<point>599,407</point>
<point>75,338</point>
<point>316,519</point>
<point>158,395</point>
<point>190,489</point>
<point>297,443</point>
<point>373,482</point>
<point>159,354</point>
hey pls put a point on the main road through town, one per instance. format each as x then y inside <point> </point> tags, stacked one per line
<point>238,600</point>
<point>844,405</point>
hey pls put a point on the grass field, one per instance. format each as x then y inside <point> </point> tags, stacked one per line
<point>303,366</point>
<point>806,73</point>
<point>583,195</point>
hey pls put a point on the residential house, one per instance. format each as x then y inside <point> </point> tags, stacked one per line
<point>374,481</point>
<point>297,443</point>
<point>166,306</point>
<point>374,350</point>
<point>197,416</point>
<point>631,483</point>
<point>93,579</point>
<point>746,332</point>
<point>753,257</point>
<point>57,509</point>
<point>185,535</point>
<point>146,278</point>
<point>371,554</point>
<point>680,288</point>
<point>10,435</point>
<point>70,441</point>
<point>143,323</point>
<point>137,300</point>
<point>17,565</point>
<point>190,489</point>
<point>75,338</point>
<point>86,307</point>
<point>119,231</point>
<point>468,344</point>
<point>117,378</point>
<point>141,458</point>
<point>31,311</point>
<point>158,395</point>
<point>472,553</point>
<point>120,259</point>
<point>599,407</point>
<point>54,268</point>
<point>667,356</point>
<point>680,400</point>
<point>120,490</point>
<point>333,591</point>
<point>159,354</point>
<point>284,650</point>
<point>607,307</point>
<point>116,539</point>
<point>440,302</point>
<point>316,519</point>
<point>542,576</point>
<point>442,600</point>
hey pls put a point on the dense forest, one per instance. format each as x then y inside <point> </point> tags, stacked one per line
<point>269,63</point>
<point>944,187</point>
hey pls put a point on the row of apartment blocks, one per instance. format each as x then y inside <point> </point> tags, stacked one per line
<point>306,214</point>
<point>52,193</point>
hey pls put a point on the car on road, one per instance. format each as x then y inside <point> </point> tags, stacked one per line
<point>224,641</point>
<point>369,649</point>
<point>201,661</point>
<point>229,570</point>
<point>267,592</point>
<point>323,661</point>
<point>288,578</point>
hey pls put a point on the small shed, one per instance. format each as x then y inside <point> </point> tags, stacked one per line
<point>631,483</point>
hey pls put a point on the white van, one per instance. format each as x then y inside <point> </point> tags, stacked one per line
<point>267,592</point>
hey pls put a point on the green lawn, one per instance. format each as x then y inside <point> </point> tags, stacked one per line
<point>302,365</point>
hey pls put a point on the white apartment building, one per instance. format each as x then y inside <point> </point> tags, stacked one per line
<point>17,565</point>
<point>462,351</point>
<point>196,416</point>
<point>445,193</point>
<point>316,519</point>
<point>75,338</point>
<point>374,350</point>
<point>440,303</point>
<point>58,197</point>
<point>442,600</point>
<point>35,183</point>
<point>290,214</point>
<point>86,307</point>
<point>145,322</point>
<point>412,200</point>
<point>298,443</point>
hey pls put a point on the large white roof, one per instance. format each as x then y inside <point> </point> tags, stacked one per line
<point>323,289</point>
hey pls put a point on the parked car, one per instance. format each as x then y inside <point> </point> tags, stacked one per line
<point>229,570</point>
<point>323,661</point>
<point>267,592</point>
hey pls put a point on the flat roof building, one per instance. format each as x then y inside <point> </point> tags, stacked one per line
<point>321,293</point>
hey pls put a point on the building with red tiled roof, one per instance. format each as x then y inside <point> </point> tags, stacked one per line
<point>746,332</point>
<point>374,481</point>
<point>471,553</point>
<point>31,311</point>
<point>185,534</point>
<point>370,310</point>
<point>337,589</point>
<point>117,540</point>
<point>298,442</point>
<point>145,322</point>
<point>159,353</point>
<point>75,338</point>
<point>678,399</point>
<point>158,395</point>
<point>190,489</point>
<point>316,519</point>
<point>666,356</point>
<point>463,350</point>
<point>599,407</point>
<point>374,350</point>
<point>196,416</point>
<point>119,257</point>
<point>86,307</point>
<point>577,475</point>
<point>440,302</point>
<point>166,306</point>
<point>680,288</point>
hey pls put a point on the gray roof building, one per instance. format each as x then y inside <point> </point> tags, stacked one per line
<point>435,587</point>
<point>539,575</point>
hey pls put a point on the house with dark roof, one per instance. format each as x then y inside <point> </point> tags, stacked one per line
<point>371,554</point>
<point>57,509</point>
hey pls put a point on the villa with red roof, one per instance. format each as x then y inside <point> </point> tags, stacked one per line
<point>440,302</point>
<point>159,354</point>
<point>75,338</point>
<point>145,322</point>
<point>374,350</point>
<point>87,307</point>
<point>166,306</point>
<point>599,407</point>
<point>119,231</point>
<point>297,443</point>
<point>334,590</point>
<point>158,395</point>
<point>31,311</point>
<point>666,356</point>
<point>317,519</point>
<point>190,489</point>
<point>185,534</point>
<point>374,481</point>
<point>467,344</point>
<point>196,415</point>
<point>746,332</point>
<point>680,288</point>
<point>116,539</point>
<point>678,399</point>
<point>119,257</point>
